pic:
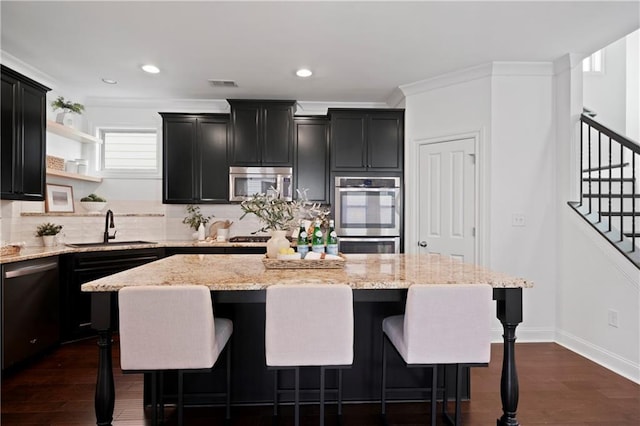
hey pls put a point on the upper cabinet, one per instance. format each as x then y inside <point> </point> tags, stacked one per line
<point>23,134</point>
<point>367,139</point>
<point>311,151</point>
<point>195,167</point>
<point>262,133</point>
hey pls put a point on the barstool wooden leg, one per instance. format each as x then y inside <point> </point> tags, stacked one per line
<point>321,395</point>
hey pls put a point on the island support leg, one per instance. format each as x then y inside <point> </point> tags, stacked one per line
<point>105,390</point>
<point>509,312</point>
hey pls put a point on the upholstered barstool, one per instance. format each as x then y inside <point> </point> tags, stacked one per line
<point>443,324</point>
<point>171,328</point>
<point>309,325</point>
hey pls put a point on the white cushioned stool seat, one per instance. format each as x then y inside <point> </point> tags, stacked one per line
<point>170,328</point>
<point>309,325</point>
<point>442,324</point>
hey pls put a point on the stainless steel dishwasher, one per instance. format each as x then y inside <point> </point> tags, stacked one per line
<point>30,308</point>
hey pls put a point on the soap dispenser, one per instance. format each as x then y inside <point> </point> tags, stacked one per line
<point>201,232</point>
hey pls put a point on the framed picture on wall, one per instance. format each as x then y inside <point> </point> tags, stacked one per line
<point>59,199</point>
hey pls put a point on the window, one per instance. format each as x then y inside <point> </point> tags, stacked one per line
<point>126,150</point>
<point>593,63</point>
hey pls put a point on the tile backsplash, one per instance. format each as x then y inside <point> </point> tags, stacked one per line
<point>134,220</point>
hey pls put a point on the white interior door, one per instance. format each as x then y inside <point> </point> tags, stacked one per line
<point>446,192</point>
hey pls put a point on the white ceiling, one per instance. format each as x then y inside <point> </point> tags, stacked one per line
<point>359,51</point>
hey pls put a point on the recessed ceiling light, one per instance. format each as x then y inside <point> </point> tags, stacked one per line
<point>151,69</point>
<point>303,72</point>
<point>109,81</point>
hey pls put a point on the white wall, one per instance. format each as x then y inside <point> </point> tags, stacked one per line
<point>606,92</point>
<point>592,277</point>
<point>633,86</point>
<point>510,107</point>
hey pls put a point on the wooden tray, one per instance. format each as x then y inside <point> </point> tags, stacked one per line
<point>304,264</point>
<point>9,250</point>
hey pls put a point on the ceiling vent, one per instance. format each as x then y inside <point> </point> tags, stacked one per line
<point>223,83</point>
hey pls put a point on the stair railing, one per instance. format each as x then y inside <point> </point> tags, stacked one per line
<point>610,165</point>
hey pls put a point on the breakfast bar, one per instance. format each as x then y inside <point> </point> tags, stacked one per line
<point>242,279</point>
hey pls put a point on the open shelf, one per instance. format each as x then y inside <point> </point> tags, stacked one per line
<point>76,176</point>
<point>71,133</point>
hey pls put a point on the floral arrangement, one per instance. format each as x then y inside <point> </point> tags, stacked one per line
<point>276,214</point>
<point>195,218</point>
<point>48,229</point>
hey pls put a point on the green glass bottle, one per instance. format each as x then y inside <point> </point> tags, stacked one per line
<point>303,242</point>
<point>317,242</point>
<point>332,239</point>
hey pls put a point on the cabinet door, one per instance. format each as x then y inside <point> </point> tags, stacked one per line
<point>276,147</point>
<point>311,168</point>
<point>245,120</point>
<point>179,139</point>
<point>348,141</point>
<point>9,129</point>
<point>23,137</point>
<point>385,141</point>
<point>33,111</point>
<point>213,180</point>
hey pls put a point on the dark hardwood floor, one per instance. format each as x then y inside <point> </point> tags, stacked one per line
<point>557,387</point>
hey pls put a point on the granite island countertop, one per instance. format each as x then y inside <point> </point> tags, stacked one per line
<point>361,271</point>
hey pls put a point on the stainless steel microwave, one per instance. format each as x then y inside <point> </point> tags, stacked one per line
<point>247,181</point>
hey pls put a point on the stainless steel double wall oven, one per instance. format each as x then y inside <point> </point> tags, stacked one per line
<point>368,213</point>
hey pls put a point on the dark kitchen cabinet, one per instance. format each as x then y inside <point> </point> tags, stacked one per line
<point>367,140</point>
<point>311,152</point>
<point>23,143</point>
<point>262,133</point>
<point>80,268</point>
<point>195,168</point>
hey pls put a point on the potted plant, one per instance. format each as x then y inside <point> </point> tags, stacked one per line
<point>93,203</point>
<point>48,231</point>
<point>276,215</point>
<point>195,218</point>
<point>67,107</point>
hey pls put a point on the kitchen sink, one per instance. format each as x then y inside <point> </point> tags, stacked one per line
<point>112,243</point>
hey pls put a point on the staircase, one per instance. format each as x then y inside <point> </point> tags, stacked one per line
<point>610,191</point>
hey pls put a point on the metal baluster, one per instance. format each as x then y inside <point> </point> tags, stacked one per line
<point>589,168</point>
<point>633,201</point>
<point>621,193</point>
<point>609,197</point>
<point>600,177</point>
<point>582,124</point>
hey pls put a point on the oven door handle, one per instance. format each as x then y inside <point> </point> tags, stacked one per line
<point>371,239</point>
<point>355,189</point>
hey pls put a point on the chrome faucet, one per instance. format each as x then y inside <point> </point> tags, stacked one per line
<point>108,225</point>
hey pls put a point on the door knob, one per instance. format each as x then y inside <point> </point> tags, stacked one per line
<point>422,243</point>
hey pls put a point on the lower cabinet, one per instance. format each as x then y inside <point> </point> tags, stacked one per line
<point>30,309</point>
<point>214,250</point>
<point>84,267</point>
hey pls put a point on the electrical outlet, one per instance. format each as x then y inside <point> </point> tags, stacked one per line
<point>518,220</point>
<point>613,318</point>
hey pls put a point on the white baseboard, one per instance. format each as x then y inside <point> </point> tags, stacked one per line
<point>619,365</point>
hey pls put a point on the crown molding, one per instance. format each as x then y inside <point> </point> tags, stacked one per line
<point>320,108</point>
<point>491,69</point>
<point>567,62</point>
<point>7,59</point>
<point>160,104</point>
<point>396,99</point>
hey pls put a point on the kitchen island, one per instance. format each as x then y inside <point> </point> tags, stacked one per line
<point>242,279</point>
